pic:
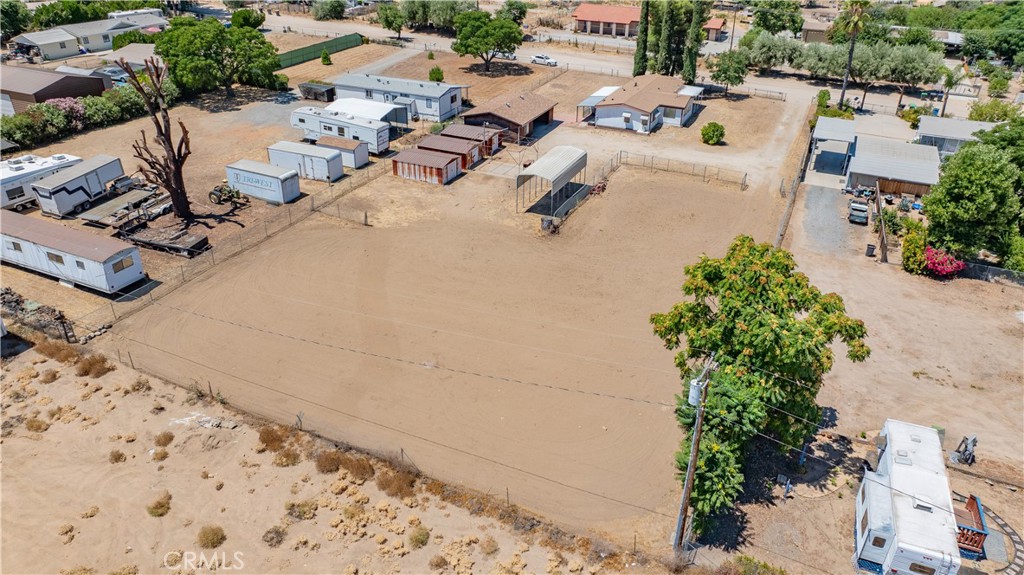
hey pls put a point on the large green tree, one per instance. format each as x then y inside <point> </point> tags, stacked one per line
<point>14,17</point>
<point>480,35</point>
<point>391,18</point>
<point>975,205</point>
<point>994,111</point>
<point>778,16</point>
<point>1008,137</point>
<point>855,17</point>
<point>770,51</point>
<point>75,11</point>
<point>871,65</point>
<point>695,36</point>
<point>640,56</point>
<point>204,55</point>
<point>444,12</point>
<point>729,68</point>
<point>912,66</point>
<point>329,9</point>
<point>247,19</point>
<point>771,332</point>
<point>514,10</point>
<point>822,60</point>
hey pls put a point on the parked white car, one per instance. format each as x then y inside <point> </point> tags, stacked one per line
<point>545,60</point>
<point>505,55</point>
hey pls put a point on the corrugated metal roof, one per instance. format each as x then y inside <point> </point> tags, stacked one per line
<point>340,143</point>
<point>72,172</point>
<point>402,85</point>
<point>475,133</point>
<point>715,24</point>
<point>45,37</point>
<point>426,158</point>
<point>596,98</point>
<point>305,149</point>
<point>895,160</point>
<point>262,169</point>
<point>61,238</point>
<point>558,166</point>
<point>23,80</point>
<point>447,144</point>
<point>363,108</point>
<point>838,129</point>
<point>134,54</point>
<point>951,128</point>
<point>97,27</point>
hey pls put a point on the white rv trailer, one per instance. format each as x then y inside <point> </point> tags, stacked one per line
<point>316,122</point>
<point>264,181</point>
<point>372,109</point>
<point>311,162</point>
<point>71,256</point>
<point>905,523</point>
<point>74,189</point>
<point>17,174</point>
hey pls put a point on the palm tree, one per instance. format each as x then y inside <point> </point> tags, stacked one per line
<point>856,18</point>
<point>951,79</point>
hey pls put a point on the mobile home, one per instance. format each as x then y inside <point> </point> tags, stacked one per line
<point>316,122</point>
<point>905,523</point>
<point>74,189</point>
<point>17,175</point>
<point>271,183</point>
<point>72,256</point>
<point>434,101</point>
<point>311,162</point>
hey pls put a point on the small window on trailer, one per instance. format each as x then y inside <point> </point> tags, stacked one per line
<point>123,263</point>
<point>864,522</point>
<point>16,246</point>
<point>430,104</point>
<point>302,120</point>
<point>922,569</point>
<point>455,98</point>
<point>55,258</point>
<point>85,39</point>
<point>106,37</point>
<point>16,193</point>
<point>80,264</point>
<point>63,45</point>
<point>328,128</point>
<point>369,93</point>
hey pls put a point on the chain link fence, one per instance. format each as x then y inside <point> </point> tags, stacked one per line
<point>708,173</point>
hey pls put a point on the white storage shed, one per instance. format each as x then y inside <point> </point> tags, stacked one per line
<point>71,256</point>
<point>316,122</point>
<point>17,175</point>
<point>311,162</point>
<point>264,181</point>
<point>74,189</point>
<point>354,154</point>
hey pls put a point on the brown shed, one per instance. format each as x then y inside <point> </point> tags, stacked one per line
<point>26,86</point>
<point>518,113</point>
<point>488,138</point>
<point>468,151</point>
<point>426,166</point>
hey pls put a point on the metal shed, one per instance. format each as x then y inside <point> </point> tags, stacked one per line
<point>426,166</point>
<point>488,138</point>
<point>311,162</point>
<point>315,91</point>
<point>354,154</point>
<point>468,151</point>
<point>264,181</point>
<point>893,167</point>
<point>558,168</point>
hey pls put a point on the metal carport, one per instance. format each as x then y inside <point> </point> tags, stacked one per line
<point>587,105</point>
<point>558,167</point>
<point>835,130</point>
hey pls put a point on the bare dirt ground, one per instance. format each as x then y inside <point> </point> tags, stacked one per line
<point>572,87</point>
<point>218,471</point>
<point>286,41</point>
<point>488,354</point>
<point>505,76</point>
<point>341,63</point>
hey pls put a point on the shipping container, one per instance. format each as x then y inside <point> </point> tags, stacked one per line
<point>426,166</point>
<point>354,154</point>
<point>264,181</point>
<point>311,162</point>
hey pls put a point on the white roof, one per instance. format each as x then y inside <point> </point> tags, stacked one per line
<point>691,91</point>
<point>836,129</point>
<point>263,169</point>
<point>558,166</point>
<point>134,54</point>
<point>400,85</point>
<point>951,128</point>
<point>340,117</point>
<point>363,108</point>
<point>596,98</point>
<point>895,160</point>
<point>17,168</point>
<point>306,150</point>
<point>78,170</point>
<point>45,37</point>
<point>912,469</point>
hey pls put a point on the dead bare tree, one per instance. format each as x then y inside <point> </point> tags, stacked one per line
<point>164,169</point>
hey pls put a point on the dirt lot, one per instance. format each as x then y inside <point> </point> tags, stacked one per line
<point>504,77</point>
<point>572,87</point>
<point>285,42</point>
<point>341,63</point>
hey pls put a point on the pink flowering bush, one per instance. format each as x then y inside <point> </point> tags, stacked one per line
<point>73,109</point>
<point>941,264</point>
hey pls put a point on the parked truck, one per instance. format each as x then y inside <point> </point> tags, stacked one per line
<point>77,188</point>
<point>17,175</point>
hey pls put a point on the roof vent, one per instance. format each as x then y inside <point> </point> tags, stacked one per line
<point>902,452</point>
<point>922,502</point>
<point>17,168</point>
<point>903,460</point>
<point>915,438</point>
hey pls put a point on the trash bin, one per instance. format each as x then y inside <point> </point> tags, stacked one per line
<point>870,252</point>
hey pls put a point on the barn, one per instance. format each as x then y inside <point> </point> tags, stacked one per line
<point>468,151</point>
<point>23,86</point>
<point>488,138</point>
<point>426,166</point>
<point>519,114</point>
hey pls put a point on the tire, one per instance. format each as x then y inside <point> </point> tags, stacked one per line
<point>19,208</point>
<point>78,209</point>
<point>215,198</point>
<point>86,205</point>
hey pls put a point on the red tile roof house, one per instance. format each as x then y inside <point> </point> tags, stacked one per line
<point>607,19</point>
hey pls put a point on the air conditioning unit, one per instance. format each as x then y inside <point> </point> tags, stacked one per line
<point>627,117</point>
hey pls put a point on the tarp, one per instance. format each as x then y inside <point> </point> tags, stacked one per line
<point>558,166</point>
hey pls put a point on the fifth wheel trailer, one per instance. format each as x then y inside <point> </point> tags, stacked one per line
<point>17,175</point>
<point>71,256</point>
<point>74,189</point>
<point>270,183</point>
<point>311,162</point>
<point>316,122</point>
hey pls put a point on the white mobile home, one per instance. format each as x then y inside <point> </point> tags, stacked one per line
<point>52,44</point>
<point>429,100</point>
<point>905,523</point>
<point>17,175</point>
<point>354,154</point>
<point>644,104</point>
<point>311,162</point>
<point>72,256</point>
<point>316,122</point>
<point>271,183</point>
<point>74,189</point>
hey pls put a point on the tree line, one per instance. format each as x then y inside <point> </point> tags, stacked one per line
<point>669,37</point>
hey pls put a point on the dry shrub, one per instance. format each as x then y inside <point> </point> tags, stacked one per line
<point>117,456</point>
<point>219,485</point>
<point>49,376</point>
<point>302,510</point>
<point>160,455</point>
<point>358,466</point>
<point>397,483</point>
<point>272,438</point>
<point>58,350</point>
<point>94,366</point>
<point>163,439</point>
<point>419,537</point>
<point>353,511</point>
<point>36,425</point>
<point>438,562</point>
<point>127,570</point>
<point>141,384</point>
<point>274,536</point>
<point>161,506</point>
<point>211,537</point>
<point>489,546</point>
<point>80,570</point>
<point>287,458</point>
<point>329,461</point>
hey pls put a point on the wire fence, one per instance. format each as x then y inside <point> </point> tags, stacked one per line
<point>708,173</point>
<point>746,90</point>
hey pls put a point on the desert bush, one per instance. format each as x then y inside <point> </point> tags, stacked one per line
<point>247,18</point>
<point>160,455</point>
<point>126,569</point>
<point>161,506</point>
<point>329,461</point>
<point>36,425</point>
<point>1014,259</point>
<point>126,99</point>
<point>274,536</point>
<point>419,537</point>
<point>398,483</point>
<point>712,133</point>
<point>163,439</point>
<point>436,74</point>
<point>49,376</point>
<point>94,366</point>
<point>430,55</point>
<point>893,222</point>
<point>302,510</point>
<point>57,350</point>
<point>287,458</point>
<point>358,466</point>
<point>73,110</point>
<point>489,545</point>
<point>211,537</point>
<point>117,456</point>
<point>272,438</point>
<point>998,86</point>
<point>352,511</point>
<point>325,57</point>
<point>53,123</point>
<point>20,129</point>
<point>914,242</point>
<point>141,384</point>
<point>913,115</point>
<point>438,562</point>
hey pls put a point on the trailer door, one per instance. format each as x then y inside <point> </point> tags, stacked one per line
<point>309,170</point>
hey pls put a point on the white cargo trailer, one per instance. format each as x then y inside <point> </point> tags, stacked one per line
<point>72,256</point>
<point>311,162</point>
<point>74,189</point>
<point>17,175</point>
<point>270,183</point>
<point>316,122</point>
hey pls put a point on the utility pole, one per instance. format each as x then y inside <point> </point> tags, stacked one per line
<point>697,396</point>
<point>735,11</point>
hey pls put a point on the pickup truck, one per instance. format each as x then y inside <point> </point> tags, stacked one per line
<point>858,212</point>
